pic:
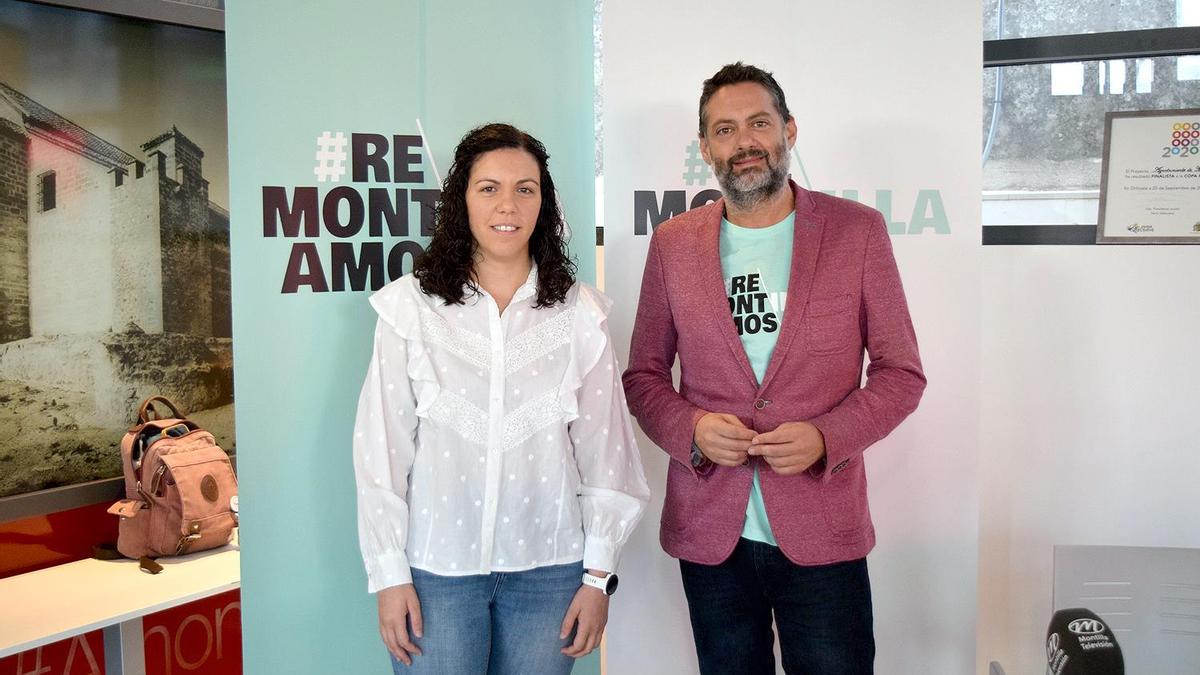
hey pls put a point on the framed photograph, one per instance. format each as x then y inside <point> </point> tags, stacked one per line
<point>1150,182</point>
<point>114,240</point>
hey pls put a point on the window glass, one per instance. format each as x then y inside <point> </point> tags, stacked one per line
<point>47,189</point>
<point>1043,132</point>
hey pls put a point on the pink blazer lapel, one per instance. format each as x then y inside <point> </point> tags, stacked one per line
<point>713,281</point>
<point>806,248</point>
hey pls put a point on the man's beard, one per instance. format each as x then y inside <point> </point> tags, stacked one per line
<point>753,187</point>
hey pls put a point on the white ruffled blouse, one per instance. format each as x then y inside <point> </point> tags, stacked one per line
<point>493,442</point>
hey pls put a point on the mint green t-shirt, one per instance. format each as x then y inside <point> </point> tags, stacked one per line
<point>756,264</point>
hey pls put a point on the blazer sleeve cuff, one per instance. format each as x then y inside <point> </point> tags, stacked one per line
<point>839,447</point>
<point>683,450</point>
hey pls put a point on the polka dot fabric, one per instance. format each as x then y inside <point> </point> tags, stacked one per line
<point>492,442</point>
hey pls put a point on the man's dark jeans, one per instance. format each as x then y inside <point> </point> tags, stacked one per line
<point>822,612</point>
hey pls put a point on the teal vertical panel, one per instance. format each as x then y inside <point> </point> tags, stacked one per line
<point>297,70</point>
<point>536,71</point>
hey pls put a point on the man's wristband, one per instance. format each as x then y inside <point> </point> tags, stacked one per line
<point>700,463</point>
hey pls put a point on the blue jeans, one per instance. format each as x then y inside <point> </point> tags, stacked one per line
<point>503,623</point>
<point>822,613</point>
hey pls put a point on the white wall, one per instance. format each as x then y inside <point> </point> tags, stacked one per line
<point>1091,414</point>
<point>95,262</point>
<point>886,97</point>
<point>137,275</point>
<point>70,249</point>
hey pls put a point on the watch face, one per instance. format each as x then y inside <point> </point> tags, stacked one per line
<point>611,586</point>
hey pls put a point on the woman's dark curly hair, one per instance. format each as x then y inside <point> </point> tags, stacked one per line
<point>445,268</point>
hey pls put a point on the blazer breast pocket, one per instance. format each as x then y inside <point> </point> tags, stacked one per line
<point>831,325</point>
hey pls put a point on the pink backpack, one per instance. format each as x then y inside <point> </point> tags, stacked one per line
<point>180,487</point>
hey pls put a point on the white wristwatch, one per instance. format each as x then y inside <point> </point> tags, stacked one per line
<point>607,585</point>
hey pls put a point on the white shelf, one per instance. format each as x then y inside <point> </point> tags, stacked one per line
<point>63,601</point>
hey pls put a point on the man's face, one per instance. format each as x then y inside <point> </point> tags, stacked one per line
<point>747,142</point>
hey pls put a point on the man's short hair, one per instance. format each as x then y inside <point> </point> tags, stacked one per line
<point>736,73</point>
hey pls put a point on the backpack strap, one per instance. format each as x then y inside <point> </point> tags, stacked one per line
<point>108,551</point>
<point>147,408</point>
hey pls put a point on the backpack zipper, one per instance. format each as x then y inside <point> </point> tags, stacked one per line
<point>158,474</point>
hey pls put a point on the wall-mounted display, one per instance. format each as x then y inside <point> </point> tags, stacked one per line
<point>114,237</point>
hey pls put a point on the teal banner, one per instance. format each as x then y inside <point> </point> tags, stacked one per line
<point>342,120</point>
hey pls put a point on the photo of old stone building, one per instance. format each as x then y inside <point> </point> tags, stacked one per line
<point>114,286</point>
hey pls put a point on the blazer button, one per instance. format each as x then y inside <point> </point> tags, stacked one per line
<point>761,403</point>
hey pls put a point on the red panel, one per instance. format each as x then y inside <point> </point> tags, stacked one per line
<point>204,638</point>
<point>81,655</point>
<point>44,541</point>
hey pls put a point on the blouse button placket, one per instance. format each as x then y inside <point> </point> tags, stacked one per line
<point>491,493</point>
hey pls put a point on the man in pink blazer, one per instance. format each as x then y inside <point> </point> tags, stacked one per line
<point>769,298</point>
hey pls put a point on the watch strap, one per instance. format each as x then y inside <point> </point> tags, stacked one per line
<point>599,583</point>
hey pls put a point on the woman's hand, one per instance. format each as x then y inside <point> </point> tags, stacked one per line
<point>398,608</point>
<point>588,614</point>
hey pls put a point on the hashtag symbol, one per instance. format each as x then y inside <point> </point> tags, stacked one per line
<point>331,157</point>
<point>694,168</point>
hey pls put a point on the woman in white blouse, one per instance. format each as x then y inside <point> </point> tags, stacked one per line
<point>498,477</point>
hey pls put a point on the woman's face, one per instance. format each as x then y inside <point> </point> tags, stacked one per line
<point>504,196</point>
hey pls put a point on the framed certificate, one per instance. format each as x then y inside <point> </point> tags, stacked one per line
<point>1150,184</point>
